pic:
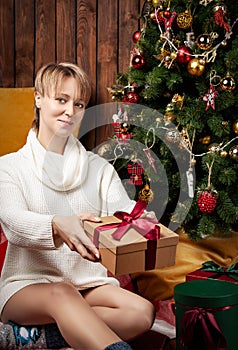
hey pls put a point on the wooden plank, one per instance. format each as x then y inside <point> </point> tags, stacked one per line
<point>107,47</point>
<point>107,59</point>
<point>65,31</point>
<point>45,32</point>
<point>87,59</point>
<point>129,12</point>
<point>86,41</point>
<point>24,39</point>
<point>7,43</point>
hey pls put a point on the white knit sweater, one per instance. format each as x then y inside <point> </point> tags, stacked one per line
<point>35,185</point>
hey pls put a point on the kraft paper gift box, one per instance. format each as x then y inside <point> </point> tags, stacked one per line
<point>210,270</point>
<point>133,252</point>
<point>206,315</point>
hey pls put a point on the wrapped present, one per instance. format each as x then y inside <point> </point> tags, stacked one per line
<point>213,271</point>
<point>206,315</point>
<point>129,244</point>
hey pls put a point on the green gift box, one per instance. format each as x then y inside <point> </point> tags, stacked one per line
<point>206,315</point>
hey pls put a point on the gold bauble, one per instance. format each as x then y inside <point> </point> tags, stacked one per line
<point>184,20</point>
<point>225,123</point>
<point>214,147</point>
<point>156,3</point>
<point>235,127</point>
<point>228,83</point>
<point>205,140</point>
<point>223,154</point>
<point>204,41</point>
<point>196,67</point>
<point>146,194</point>
<point>233,152</point>
<point>173,55</point>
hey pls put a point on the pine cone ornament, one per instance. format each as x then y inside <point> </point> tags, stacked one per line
<point>146,194</point>
<point>207,201</point>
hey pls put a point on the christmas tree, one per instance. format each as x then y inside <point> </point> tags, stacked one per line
<point>179,99</point>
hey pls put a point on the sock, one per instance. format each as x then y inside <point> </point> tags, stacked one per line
<point>15,337</point>
<point>121,345</point>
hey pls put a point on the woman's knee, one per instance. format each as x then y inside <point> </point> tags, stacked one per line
<point>143,313</point>
<point>61,290</point>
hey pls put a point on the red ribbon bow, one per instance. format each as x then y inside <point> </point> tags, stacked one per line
<point>208,329</point>
<point>145,227</point>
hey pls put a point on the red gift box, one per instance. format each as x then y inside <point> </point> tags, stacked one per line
<point>211,270</point>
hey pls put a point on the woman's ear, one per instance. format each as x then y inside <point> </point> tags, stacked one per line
<point>37,97</point>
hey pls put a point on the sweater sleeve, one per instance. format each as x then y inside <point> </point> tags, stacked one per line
<point>21,226</point>
<point>116,195</point>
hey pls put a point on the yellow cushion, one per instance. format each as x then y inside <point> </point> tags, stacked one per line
<point>16,115</point>
<point>159,284</point>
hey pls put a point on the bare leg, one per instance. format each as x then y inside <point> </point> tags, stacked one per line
<point>126,313</point>
<point>63,304</point>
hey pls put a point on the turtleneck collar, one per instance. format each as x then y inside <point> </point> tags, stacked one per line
<point>59,172</point>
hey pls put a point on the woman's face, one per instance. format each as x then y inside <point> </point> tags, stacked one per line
<point>61,112</point>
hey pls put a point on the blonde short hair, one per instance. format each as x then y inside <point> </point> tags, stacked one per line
<point>49,79</point>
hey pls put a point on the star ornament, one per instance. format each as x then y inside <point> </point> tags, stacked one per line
<point>210,97</point>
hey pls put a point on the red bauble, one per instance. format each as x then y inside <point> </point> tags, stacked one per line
<point>167,14</point>
<point>157,17</point>
<point>207,201</point>
<point>183,54</point>
<point>131,97</point>
<point>138,61</point>
<point>136,36</point>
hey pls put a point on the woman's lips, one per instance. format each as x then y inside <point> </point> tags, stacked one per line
<point>65,122</point>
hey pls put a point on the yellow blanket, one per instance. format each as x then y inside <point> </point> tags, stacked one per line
<point>159,284</point>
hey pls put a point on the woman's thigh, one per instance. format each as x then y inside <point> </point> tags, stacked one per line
<point>114,297</point>
<point>34,304</point>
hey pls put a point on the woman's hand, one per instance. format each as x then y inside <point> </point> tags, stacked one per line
<point>150,216</point>
<point>70,230</point>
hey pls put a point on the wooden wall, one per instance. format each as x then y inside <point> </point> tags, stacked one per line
<point>96,34</point>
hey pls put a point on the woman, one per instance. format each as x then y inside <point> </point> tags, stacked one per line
<point>52,272</point>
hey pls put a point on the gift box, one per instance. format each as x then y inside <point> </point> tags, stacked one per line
<point>133,252</point>
<point>206,315</point>
<point>211,270</point>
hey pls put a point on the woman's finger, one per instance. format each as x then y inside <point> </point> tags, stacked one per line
<point>89,217</point>
<point>88,244</point>
<point>84,252</point>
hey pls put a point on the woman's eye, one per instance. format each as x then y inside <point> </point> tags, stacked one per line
<point>61,100</point>
<point>79,105</point>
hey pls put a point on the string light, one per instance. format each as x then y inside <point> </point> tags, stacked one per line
<point>206,54</point>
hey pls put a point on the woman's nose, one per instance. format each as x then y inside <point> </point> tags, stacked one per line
<point>69,111</point>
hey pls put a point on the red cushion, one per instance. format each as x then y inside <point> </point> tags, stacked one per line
<point>3,248</point>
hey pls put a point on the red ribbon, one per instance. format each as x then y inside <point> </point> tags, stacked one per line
<point>219,19</point>
<point>142,225</point>
<point>198,322</point>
